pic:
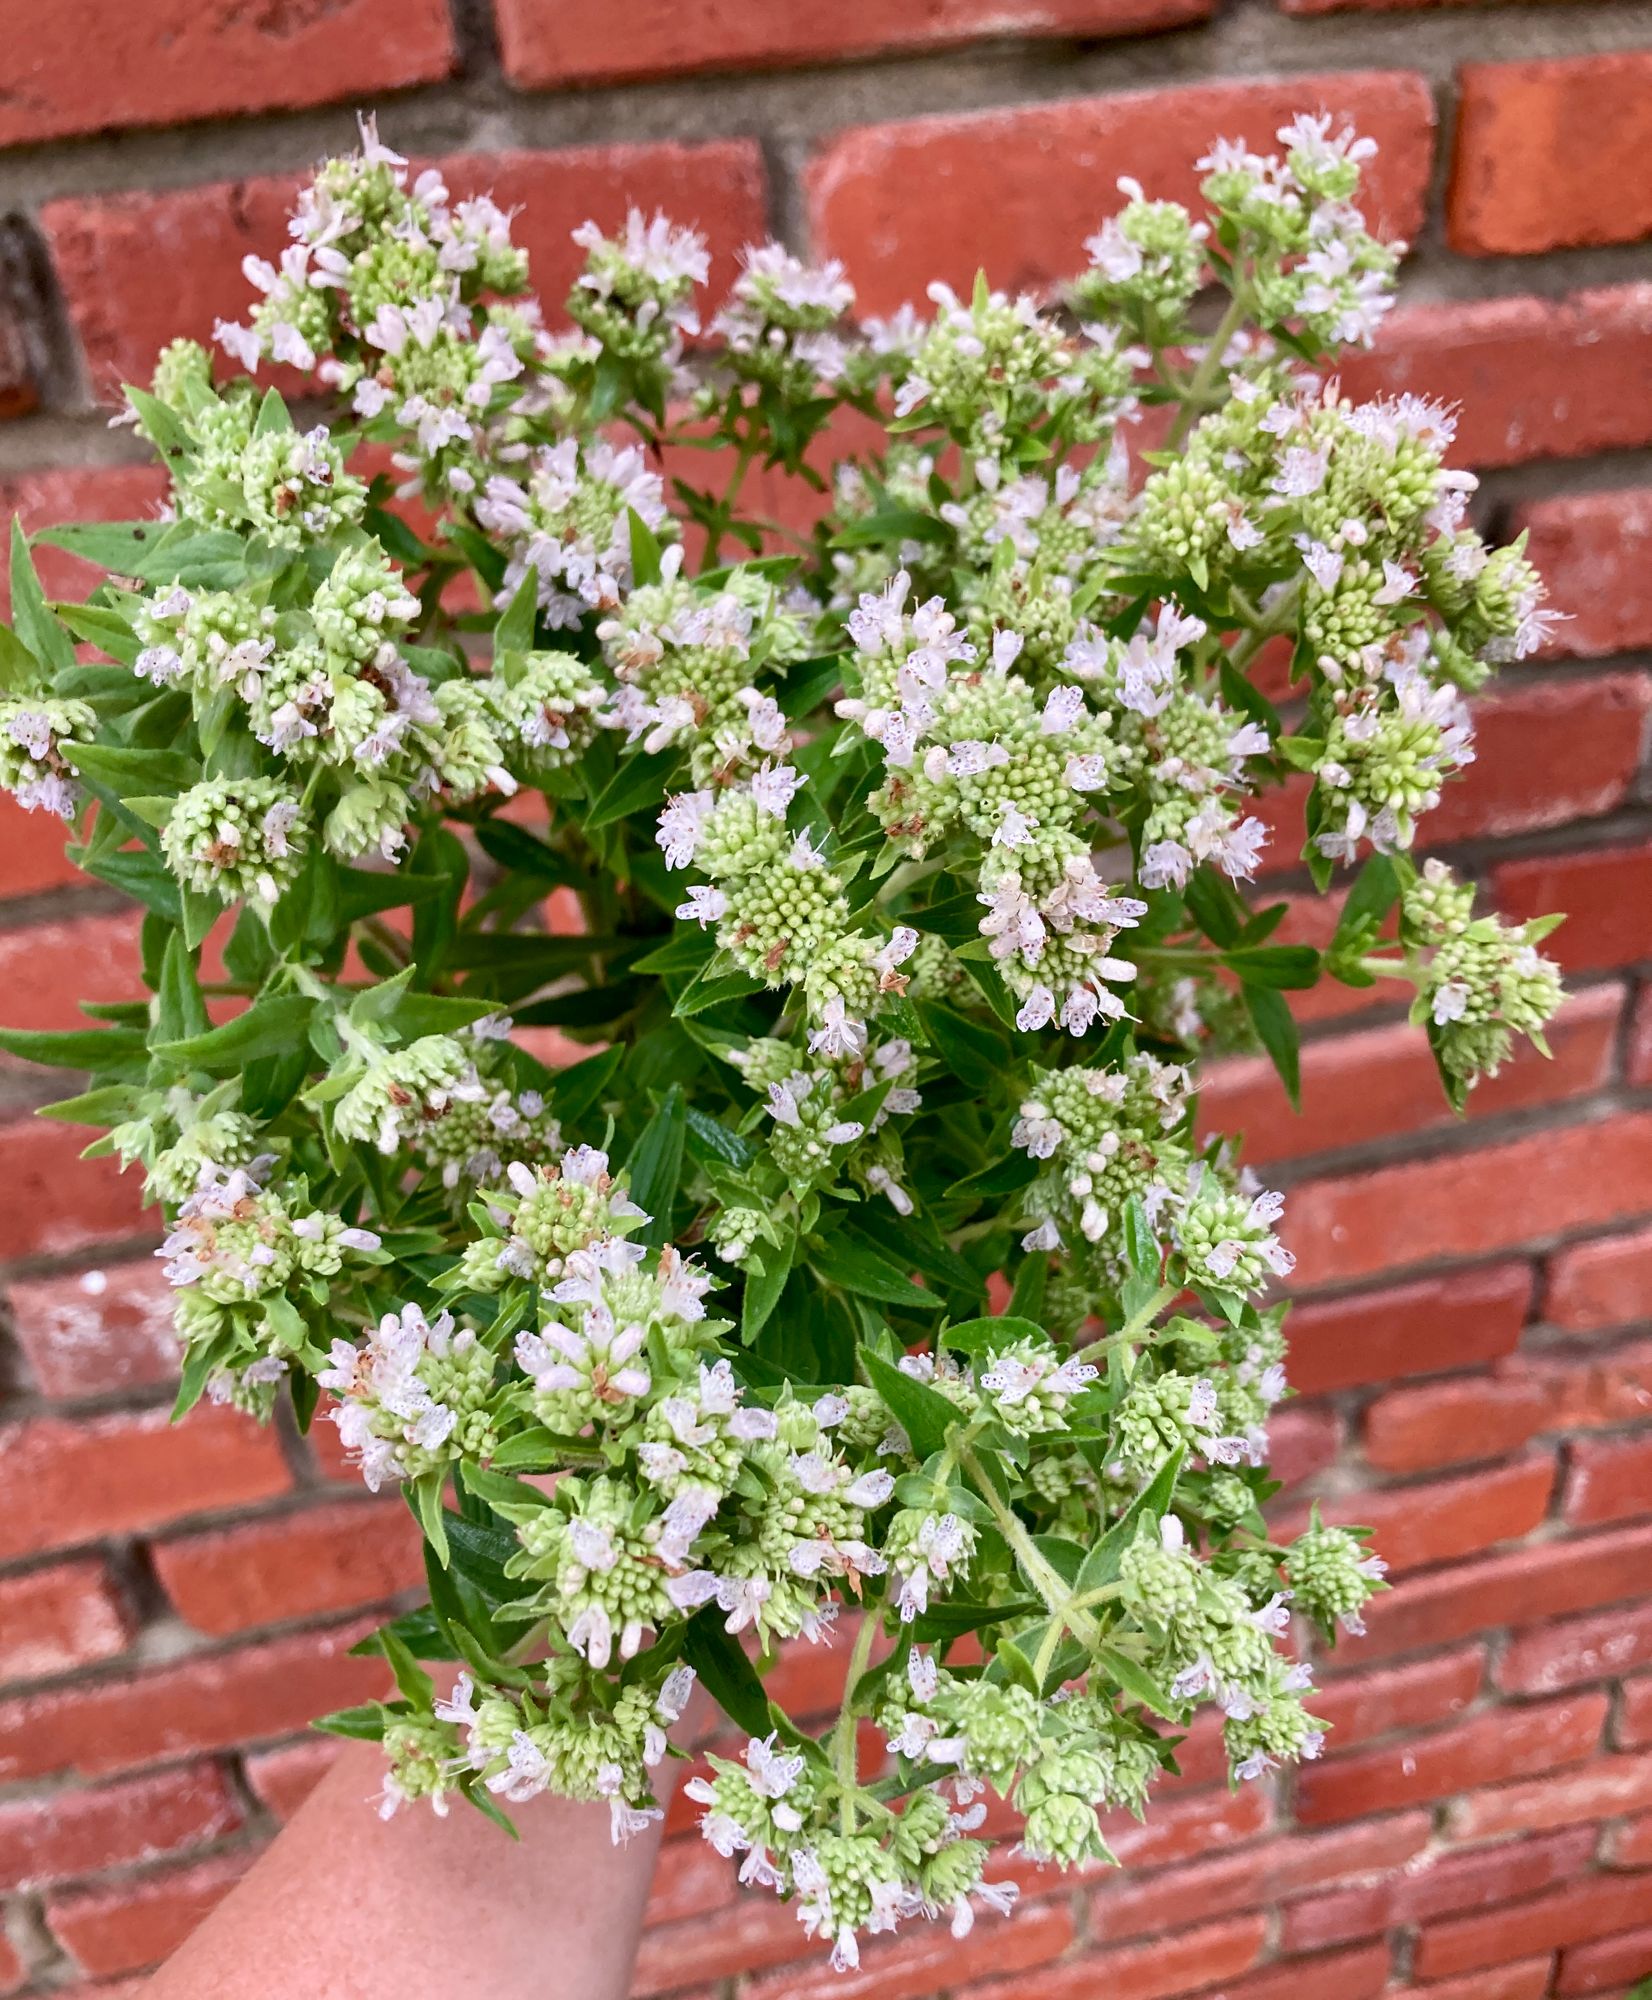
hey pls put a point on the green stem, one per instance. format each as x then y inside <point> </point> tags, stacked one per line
<point>1390,968</point>
<point>745,452</point>
<point>1210,366</point>
<point>1041,1575</point>
<point>843,1739</point>
<point>1135,1326</point>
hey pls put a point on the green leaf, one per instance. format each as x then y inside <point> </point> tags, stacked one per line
<point>520,853</point>
<point>578,1088</point>
<point>20,671</point>
<point>711,1142</point>
<point>1136,1682</point>
<point>645,550</point>
<point>763,1288</point>
<point>976,1054</point>
<point>1276,1028</point>
<point>424,1497</point>
<point>116,1052</point>
<point>124,769</point>
<point>1368,902</point>
<point>952,1617</point>
<point>1101,1565</point>
<point>118,546</point>
<point>891,524</point>
<point>656,1168</point>
<point>272,415</point>
<point>923,1413</point>
<point>180,1011</point>
<point>992,1332</point>
<point>1215,906</point>
<point>639,783</point>
<point>269,1026</point>
<point>1289,966</point>
<point>730,1678</point>
<point>515,631</point>
<point>39,631</point>
<point>868,1274</point>
<point>364,1723</point>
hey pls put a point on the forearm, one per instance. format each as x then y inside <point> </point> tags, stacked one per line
<point>345,1905</point>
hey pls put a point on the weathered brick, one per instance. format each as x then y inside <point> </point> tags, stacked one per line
<point>1358,1974</point>
<point>1534,378</point>
<point>1572,1650</point>
<point>1595,550</point>
<point>46,970</point>
<point>57,1202</point>
<point>125,1926</point>
<point>285,1776</point>
<point>89,1333</point>
<point>1550,155</point>
<point>919,1964</point>
<point>182,59</point>
<point>1134,1904</point>
<point>1529,1980</point>
<point>1606,893</point>
<point>1360,1706</point>
<point>1604,1967</point>
<point>1608,1480</point>
<point>1447,1423</point>
<point>330,1558</point>
<point>1197,1956</point>
<point>47,498</point>
<point>1497,1590</point>
<point>991,202</point>
<point>64,1481</point>
<point>64,1616</point>
<point>1423,1328</point>
<point>1472,1204</point>
<point>1601,1790</point>
<point>1502,1743</point>
<point>1417,1525</point>
<point>1629,1845</point>
<point>74,1832</point>
<point>550,42</point>
<point>1593,1906</point>
<point>105,245</point>
<point>1379,1082</point>
<point>1608,1385</point>
<point>1439,1884</point>
<point>204,1703</point>
<point>1601,1284</point>
<point>1634,1726</point>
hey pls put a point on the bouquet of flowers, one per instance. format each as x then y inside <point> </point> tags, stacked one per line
<point>676,1032</point>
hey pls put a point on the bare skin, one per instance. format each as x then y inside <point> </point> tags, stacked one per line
<point>345,1906</point>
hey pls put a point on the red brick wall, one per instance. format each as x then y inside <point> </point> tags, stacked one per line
<point>1473,1355</point>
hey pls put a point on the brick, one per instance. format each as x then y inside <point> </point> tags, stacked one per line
<point>1436,1884</point>
<point>690,1877</point>
<point>1197,1956</point>
<point>1573,1650</point>
<point>1608,1481</point>
<point>1529,1980</point>
<point>1551,155</point>
<point>52,1620</point>
<point>1416,1526</point>
<point>330,1558</point>
<point>1595,550</point>
<point>89,1333</point>
<point>1546,754</point>
<point>1416,1696</point>
<point>1607,1386</point>
<point>63,1481</point>
<point>81,1832</point>
<point>1178,1828</point>
<point>1638,1054</point>
<point>1503,1743</point>
<point>1425,1328</point>
<point>550,42</point>
<point>1302,1443</point>
<point>125,1926</point>
<point>204,1703</point>
<point>991,201</point>
<point>1357,1088</point>
<point>32,848</point>
<point>1134,1904</point>
<point>1606,893</point>
<point>750,1934</point>
<point>1606,1283</point>
<point>57,1202</point>
<point>1602,1790</point>
<point>1629,1845</point>
<point>1350,1975</point>
<point>1501,1590</point>
<point>11,1966</point>
<point>1604,1967</point>
<point>1534,378</point>
<point>920,1963</point>
<point>1594,1906</point>
<point>1466,1205</point>
<point>48,498</point>
<point>1446,1423</point>
<point>47,969</point>
<point>179,60</point>
<point>1634,1729</point>
<point>284,1777</point>
<point>105,245</point>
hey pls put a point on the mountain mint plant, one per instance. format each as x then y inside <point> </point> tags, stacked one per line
<point>863,1272</point>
